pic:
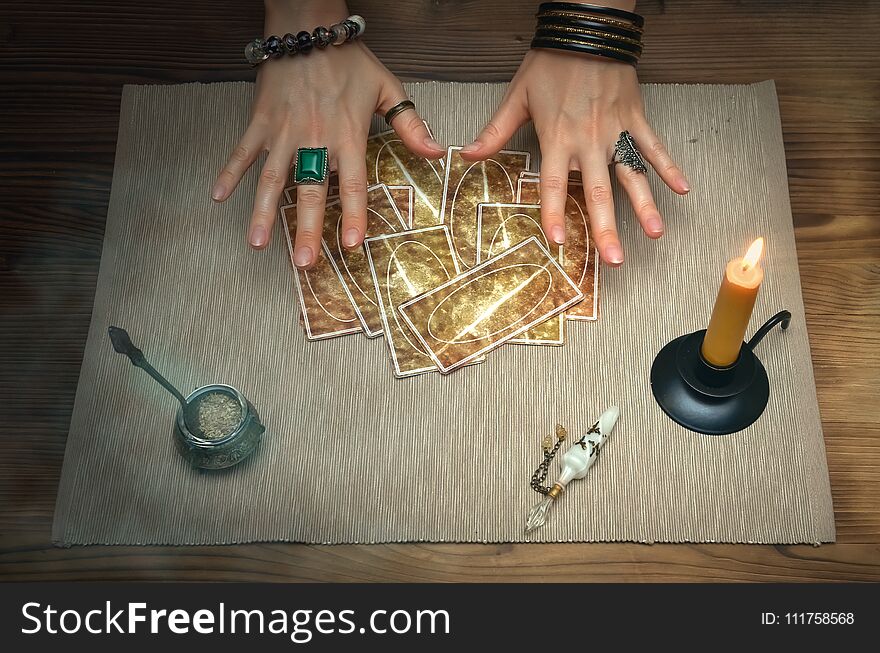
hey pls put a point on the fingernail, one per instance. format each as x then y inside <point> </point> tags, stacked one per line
<point>655,225</point>
<point>434,145</point>
<point>350,237</point>
<point>218,192</point>
<point>259,237</point>
<point>614,254</point>
<point>684,184</point>
<point>472,147</point>
<point>302,257</point>
<point>558,234</point>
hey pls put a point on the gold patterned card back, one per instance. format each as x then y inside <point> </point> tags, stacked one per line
<point>489,304</point>
<point>500,227</point>
<point>351,264</point>
<point>389,162</point>
<point>403,197</point>
<point>327,310</point>
<point>405,265</point>
<point>580,260</point>
<point>467,184</point>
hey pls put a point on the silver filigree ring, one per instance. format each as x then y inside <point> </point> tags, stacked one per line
<point>626,152</point>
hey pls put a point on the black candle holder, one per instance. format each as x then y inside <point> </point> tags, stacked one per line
<point>708,399</point>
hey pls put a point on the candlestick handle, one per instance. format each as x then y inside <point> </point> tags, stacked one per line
<point>782,316</point>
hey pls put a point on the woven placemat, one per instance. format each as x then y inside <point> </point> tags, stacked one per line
<point>353,454</point>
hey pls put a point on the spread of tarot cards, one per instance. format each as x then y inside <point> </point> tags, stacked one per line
<point>454,264</point>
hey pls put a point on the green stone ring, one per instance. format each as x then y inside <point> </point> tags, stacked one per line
<point>311,165</point>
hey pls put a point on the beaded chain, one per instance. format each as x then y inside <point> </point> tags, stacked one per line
<point>550,450</point>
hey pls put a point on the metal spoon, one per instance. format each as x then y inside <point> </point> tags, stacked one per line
<point>122,344</point>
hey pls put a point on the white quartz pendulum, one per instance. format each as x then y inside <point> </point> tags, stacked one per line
<point>575,464</point>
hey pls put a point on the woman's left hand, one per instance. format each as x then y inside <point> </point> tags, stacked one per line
<point>580,104</point>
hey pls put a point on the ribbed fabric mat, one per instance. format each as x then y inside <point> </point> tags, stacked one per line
<point>354,455</point>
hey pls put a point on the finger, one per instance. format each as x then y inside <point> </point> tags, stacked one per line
<point>241,158</point>
<point>509,117</point>
<point>411,128</point>
<point>600,206</point>
<point>310,202</point>
<point>269,189</point>
<point>554,192</point>
<point>638,190</point>
<point>655,152</point>
<point>409,125</point>
<point>353,194</point>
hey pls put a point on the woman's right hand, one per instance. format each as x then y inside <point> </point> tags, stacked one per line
<point>580,104</point>
<point>322,99</point>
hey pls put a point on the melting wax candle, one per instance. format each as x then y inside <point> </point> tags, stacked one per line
<point>733,307</point>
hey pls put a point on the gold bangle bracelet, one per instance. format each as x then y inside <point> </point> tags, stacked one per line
<point>598,46</point>
<point>588,16</point>
<point>590,32</point>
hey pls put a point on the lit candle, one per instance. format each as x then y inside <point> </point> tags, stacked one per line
<point>733,307</point>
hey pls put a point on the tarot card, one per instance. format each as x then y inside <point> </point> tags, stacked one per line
<point>581,259</point>
<point>390,162</point>
<point>404,265</point>
<point>500,227</point>
<point>402,196</point>
<point>489,304</point>
<point>327,310</point>
<point>467,184</point>
<point>352,265</point>
<point>403,199</point>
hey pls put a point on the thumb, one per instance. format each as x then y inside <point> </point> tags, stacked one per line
<point>409,125</point>
<point>509,117</point>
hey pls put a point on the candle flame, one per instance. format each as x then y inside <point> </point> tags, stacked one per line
<point>752,256</point>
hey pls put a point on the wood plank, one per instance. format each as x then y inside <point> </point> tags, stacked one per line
<point>31,560</point>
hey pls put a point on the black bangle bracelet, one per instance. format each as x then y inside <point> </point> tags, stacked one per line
<point>635,19</point>
<point>588,39</point>
<point>575,46</point>
<point>590,24</point>
<point>605,45</point>
<point>613,22</point>
<point>589,32</point>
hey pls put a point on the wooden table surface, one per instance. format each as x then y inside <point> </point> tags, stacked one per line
<point>62,67</point>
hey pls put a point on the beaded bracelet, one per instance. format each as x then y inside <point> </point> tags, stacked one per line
<point>590,29</point>
<point>258,50</point>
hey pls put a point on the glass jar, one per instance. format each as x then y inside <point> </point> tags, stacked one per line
<point>228,450</point>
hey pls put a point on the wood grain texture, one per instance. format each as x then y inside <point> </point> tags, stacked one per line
<point>62,67</point>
